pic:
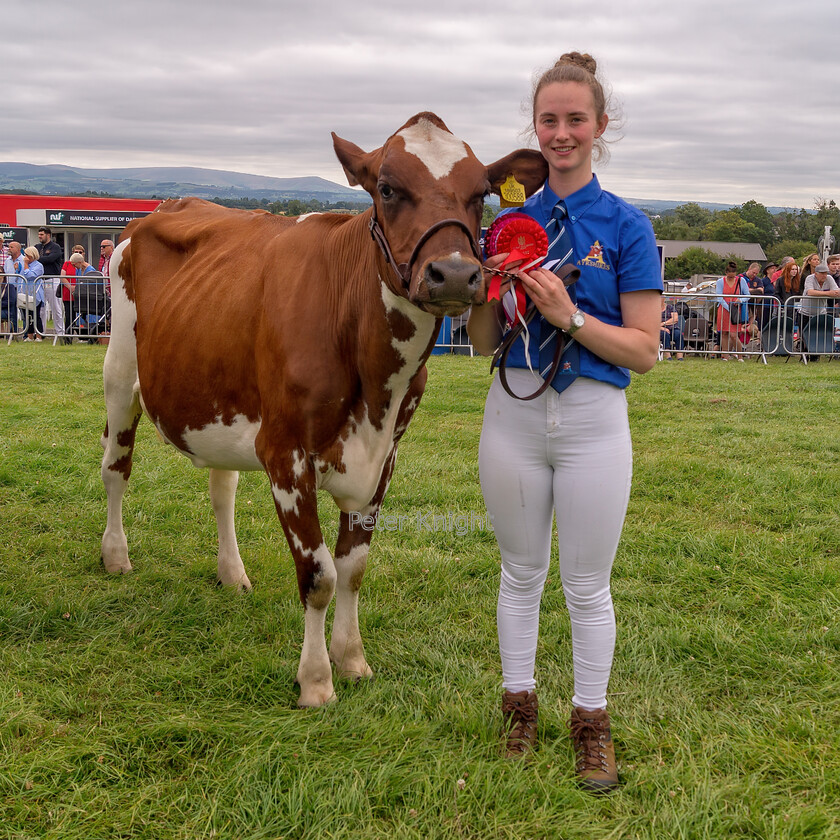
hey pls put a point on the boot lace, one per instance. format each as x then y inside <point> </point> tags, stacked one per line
<point>523,716</point>
<point>589,738</point>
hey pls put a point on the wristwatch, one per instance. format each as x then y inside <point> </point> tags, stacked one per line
<point>578,319</point>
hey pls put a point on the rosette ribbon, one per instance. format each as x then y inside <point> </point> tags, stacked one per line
<point>526,242</point>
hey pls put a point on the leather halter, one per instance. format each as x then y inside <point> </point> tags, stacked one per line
<point>568,274</point>
<point>403,270</point>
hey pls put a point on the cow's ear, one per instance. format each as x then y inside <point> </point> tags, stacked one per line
<point>526,165</point>
<point>360,167</point>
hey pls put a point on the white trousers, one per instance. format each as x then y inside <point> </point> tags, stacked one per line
<point>567,455</point>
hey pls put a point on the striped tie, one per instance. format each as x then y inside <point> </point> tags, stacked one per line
<point>560,251</point>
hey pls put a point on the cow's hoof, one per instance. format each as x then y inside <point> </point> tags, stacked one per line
<point>313,697</point>
<point>241,584</point>
<point>354,674</point>
<point>116,567</point>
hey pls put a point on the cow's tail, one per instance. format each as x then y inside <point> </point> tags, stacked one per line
<point>121,357</point>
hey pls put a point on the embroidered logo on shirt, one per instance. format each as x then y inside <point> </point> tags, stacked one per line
<point>595,257</point>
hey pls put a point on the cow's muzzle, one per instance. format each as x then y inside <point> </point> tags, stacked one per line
<point>448,285</point>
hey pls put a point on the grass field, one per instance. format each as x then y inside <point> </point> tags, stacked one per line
<point>157,706</point>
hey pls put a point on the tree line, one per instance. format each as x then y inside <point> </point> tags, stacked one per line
<point>788,233</point>
<point>296,207</point>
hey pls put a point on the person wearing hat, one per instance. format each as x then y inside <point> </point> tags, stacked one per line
<point>819,292</point>
<point>767,289</point>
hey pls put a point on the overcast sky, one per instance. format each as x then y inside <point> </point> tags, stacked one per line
<point>722,100</point>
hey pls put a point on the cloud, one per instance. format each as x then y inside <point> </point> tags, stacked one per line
<point>721,101</point>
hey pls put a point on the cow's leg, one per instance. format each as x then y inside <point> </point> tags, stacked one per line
<point>316,586</point>
<point>351,552</point>
<point>122,403</point>
<point>346,649</point>
<point>231,571</point>
<point>297,507</point>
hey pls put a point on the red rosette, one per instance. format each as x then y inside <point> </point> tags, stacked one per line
<point>516,233</point>
<point>524,240</point>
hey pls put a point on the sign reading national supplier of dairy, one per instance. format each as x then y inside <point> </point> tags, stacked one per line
<point>91,218</point>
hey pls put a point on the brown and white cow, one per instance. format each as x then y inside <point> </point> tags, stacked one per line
<point>298,347</point>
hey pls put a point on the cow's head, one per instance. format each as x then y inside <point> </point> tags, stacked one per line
<point>422,176</point>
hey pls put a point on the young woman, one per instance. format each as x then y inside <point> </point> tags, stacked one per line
<point>729,288</point>
<point>568,453</point>
<point>808,265</point>
<point>789,288</point>
<point>789,285</point>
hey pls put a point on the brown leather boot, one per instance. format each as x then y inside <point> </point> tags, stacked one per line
<point>519,709</point>
<point>594,753</point>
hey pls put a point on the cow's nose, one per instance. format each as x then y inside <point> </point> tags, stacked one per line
<point>451,278</point>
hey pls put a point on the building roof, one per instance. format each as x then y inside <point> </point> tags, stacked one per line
<point>744,250</point>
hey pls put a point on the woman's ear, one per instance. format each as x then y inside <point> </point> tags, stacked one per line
<point>602,125</point>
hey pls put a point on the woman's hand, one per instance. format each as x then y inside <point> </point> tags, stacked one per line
<point>550,296</point>
<point>496,262</point>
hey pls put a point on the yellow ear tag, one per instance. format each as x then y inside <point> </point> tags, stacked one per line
<point>512,193</point>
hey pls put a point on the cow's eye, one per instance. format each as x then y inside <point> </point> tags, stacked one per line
<point>385,191</point>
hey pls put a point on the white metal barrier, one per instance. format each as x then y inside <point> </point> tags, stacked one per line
<point>15,312</point>
<point>771,329</point>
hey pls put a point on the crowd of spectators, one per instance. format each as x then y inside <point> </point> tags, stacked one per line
<point>37,278</point>
<point>36,281</point>
<point>744,305</point>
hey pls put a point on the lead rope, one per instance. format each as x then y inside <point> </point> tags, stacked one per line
<point>569,275</point>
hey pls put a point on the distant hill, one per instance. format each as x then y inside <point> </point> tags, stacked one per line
<point>172,181</point>
<point>169,181</point>
<point>655,205</point>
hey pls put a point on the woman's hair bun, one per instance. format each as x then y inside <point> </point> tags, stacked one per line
<point>583,60</point>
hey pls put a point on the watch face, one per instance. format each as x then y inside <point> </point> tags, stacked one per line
<point>577,319</point>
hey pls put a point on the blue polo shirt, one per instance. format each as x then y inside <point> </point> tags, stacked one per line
<point>615,250</point>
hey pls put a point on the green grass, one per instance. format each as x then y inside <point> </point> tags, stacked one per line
<point>157,706</point>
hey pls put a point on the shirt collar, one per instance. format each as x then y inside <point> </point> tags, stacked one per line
<point>577,203</point>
